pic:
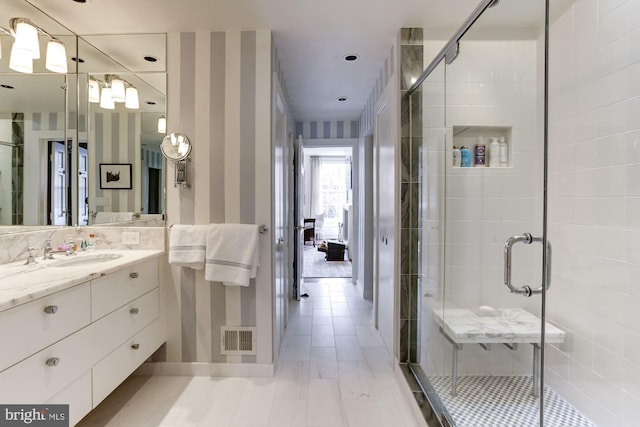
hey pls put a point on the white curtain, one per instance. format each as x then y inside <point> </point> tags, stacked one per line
<point>315,187</point>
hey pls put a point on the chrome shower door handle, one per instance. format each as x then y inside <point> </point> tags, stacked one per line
<point>525,290</point>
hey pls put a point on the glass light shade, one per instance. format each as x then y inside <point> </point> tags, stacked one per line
<point>162,125</point>
<point>27,39</point>
<point>20,61</point>
<point>94,91</point>
<point>106,101</point>
<point>117,90</point>
<point>56,57</point>
<point>132,98</point>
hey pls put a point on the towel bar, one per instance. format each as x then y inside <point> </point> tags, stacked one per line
<point>261,229</point>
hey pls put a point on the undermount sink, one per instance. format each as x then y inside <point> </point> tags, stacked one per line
<point>84,260</point>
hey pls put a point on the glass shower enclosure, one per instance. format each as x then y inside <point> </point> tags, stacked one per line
<point>485,256</point>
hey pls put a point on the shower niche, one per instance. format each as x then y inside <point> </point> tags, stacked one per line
<point>469,136</point>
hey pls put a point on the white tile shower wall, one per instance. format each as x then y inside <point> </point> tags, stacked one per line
<point>491,83</point>
<point>594,206</point>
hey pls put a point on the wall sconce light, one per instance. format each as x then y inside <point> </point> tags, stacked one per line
<point>113,89</point>
<point>26,47</point>
<point>162,124</point>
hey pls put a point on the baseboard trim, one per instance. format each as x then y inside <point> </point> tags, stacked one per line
<point>196,369</point>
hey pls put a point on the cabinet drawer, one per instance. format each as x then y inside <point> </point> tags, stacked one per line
<point>116,367</point>
<point>78,396</point>
<point>112,291</point>
<point>28,328</point>
<point>34,381</point>
<point>114,329</point>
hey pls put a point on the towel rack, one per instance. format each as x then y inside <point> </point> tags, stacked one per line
<point>262,229</point>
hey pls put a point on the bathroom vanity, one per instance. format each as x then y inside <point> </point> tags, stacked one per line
<point>75,327</point>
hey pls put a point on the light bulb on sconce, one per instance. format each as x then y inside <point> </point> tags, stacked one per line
<point>26,35</point>
<point>162,124</point>
<point>131,98</point>
<point>117,90</point>
<point>20,61</point>
<point>106,101</point>
<point>56,57</point>
<point>94,91</point>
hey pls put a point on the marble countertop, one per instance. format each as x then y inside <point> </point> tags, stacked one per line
<point>21,283</point>
<point>508,325</point>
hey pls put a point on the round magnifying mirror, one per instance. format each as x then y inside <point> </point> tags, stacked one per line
<point>175,146</point>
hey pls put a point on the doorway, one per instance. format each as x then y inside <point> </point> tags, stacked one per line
<point>327,212</point>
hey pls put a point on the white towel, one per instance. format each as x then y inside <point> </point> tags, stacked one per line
<point>232,254</point>
<point>187,245</point>
<point>124,216</point>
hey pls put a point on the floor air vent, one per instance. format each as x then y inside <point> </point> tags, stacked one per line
<point>237,340</point>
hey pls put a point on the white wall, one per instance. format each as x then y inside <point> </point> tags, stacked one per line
<point>594,208</point>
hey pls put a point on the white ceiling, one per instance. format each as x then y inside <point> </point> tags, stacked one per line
<point>311,36</point>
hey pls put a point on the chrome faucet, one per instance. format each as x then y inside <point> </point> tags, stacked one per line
<point>30,259</point>
<point>48,250</point>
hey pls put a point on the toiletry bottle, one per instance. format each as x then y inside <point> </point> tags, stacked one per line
<point>91,242</point>
<point>494,153</point>
<point>465,157</point>
<point>504,152</point>
<point>456,156</point>
<point>480,153</point>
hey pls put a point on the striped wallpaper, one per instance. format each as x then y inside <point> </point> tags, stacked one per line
<point>328,129</point>
<point>219,95</point>
<point>116,139</point>
<point>368,114</point>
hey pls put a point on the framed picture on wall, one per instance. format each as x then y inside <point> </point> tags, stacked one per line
<point>115,176</point>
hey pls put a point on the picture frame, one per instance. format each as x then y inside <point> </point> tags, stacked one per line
<point>115,176</point>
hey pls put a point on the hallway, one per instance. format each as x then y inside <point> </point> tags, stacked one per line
<point>333,371</point>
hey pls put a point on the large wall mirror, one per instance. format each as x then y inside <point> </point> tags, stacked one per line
<point>65,160</point>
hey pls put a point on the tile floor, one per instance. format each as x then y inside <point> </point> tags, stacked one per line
<point>333,371</point>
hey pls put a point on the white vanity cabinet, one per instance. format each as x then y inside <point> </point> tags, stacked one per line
<point>77,345</point>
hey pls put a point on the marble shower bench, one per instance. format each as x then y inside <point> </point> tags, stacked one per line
<point>508,326</point>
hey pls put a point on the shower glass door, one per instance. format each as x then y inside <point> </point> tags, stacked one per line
<point>482,215</point>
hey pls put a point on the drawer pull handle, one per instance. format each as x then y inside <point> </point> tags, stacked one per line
<point>133,275</point>
<point>134,310</point>
<point>135,346</point>
<point>51,309</point>
<point>53,361</point>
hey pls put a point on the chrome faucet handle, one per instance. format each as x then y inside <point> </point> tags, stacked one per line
<point>48,250</point>
<point>30,259</point>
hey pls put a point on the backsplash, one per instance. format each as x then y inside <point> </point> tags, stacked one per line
<point>13,246</point>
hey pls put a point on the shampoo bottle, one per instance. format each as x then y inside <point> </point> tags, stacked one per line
<point>494,153</point>
<point>465,157</point>
<point>456,157</point>
<point>504,152</point>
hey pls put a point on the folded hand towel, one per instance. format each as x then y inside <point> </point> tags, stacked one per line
<point>232,254</point>
<point>187,245</point>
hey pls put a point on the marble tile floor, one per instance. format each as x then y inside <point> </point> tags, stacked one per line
<point>333,371</point>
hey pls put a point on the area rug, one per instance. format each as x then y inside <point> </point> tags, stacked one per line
<point>314,264</point>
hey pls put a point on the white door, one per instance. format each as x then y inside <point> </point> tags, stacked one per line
<point>299,216</point>
<point>83,187</point>
<point>385,220</point>
<point>58,184</point>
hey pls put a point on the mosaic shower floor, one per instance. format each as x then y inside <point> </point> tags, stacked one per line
<point>490,401</point>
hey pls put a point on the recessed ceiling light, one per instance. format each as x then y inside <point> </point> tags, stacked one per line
<point>78,60</point>
<point>7,86</point>
<point>150,58</point>
<point>80,1</point>
<point>151,103</point>
<point>351,57</point>
<point>342,98</point>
